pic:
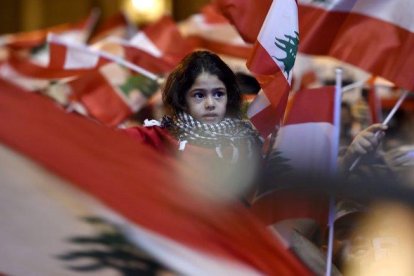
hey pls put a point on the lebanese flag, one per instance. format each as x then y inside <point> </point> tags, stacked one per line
<point>32,77</point>
<point>163,207</point>
<point>112,93</point>
<point>308,135</point>
<point>138,54</point>
<point>212,31</point>
<point>69,55</point>
<point>307,146</point>
<point>375,35</point>
<point>272,62</point>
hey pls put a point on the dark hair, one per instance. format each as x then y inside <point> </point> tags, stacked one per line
<point>184,75</point>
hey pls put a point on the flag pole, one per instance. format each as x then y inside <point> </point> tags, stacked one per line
<point>334,157</point>
<point>385,122</point>
<point>357,84</point>
<point>55,39</point>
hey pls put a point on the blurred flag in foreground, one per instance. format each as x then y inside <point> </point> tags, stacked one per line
<point>145,188</point>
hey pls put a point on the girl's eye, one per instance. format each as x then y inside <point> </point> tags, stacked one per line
<point>219,94</point>
<point>198,95</point>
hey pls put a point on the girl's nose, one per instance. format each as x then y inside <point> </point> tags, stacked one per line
<point>209,103</point>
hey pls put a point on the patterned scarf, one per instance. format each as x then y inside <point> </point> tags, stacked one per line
<point>229,132</point>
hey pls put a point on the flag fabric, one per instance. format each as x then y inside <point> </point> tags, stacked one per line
<point>140,185</point>
<point>111,93</point>
<point>163,39</point>
<point>306,146</point>
<point>210,30</point>
<point>272,62</point>
<point>374,35</point>
<point>69,55</point>
<point>246,15</point>
<point>139,55</point>
<point>306,137</point>
<point>29,83</point>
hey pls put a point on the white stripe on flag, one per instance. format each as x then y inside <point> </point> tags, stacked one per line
<point>142,41</point>
<point>76,58</point>
<point>314,153</point>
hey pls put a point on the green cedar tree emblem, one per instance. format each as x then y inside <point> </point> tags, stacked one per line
<point>138,82</point>
<point>290,47</point>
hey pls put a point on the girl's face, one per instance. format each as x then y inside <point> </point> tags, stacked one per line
<point>207,99</point>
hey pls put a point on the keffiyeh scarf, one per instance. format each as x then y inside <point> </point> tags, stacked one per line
<point>229,132</point>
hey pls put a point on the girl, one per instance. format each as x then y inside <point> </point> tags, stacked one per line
<point>203,124</point>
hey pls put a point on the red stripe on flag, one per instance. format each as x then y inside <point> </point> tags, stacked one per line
<point>267,119</point>
<point>156,65</point>
<point>376,46</point>
<point>302,111</point>
<point>121,173</point>
<point>261,62</point>
<point>57,54</point>
<point>246,15</point>
<point>167,37</point>
<point>279,205</point>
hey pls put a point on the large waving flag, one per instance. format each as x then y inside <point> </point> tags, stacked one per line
<point>163,214</point>
<point>273,55</point>
<point>306,146</point>
<point>375,35</point>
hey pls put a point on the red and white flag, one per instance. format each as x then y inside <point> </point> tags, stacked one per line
<point>246,15</point>
<point>273,56</point>
<point>308,135</point>
<point>111,93</point>
<point>71,56</point>
<point>272,62</point>
<point>307,146</point>
<point>179,226</point>
<point>374,35</point>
